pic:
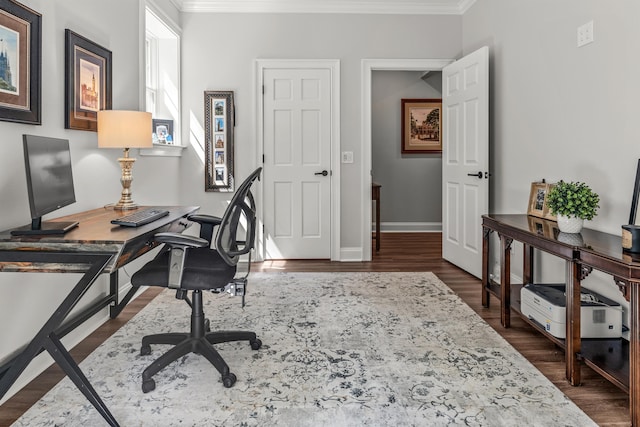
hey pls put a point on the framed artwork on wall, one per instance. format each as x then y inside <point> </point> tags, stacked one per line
<point>421,121</point>
<point>87,82</point>
<point>219,117</point>
<point>20,63</point>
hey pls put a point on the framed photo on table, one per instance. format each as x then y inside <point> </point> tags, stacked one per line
<point>538,206</point>
<point>219,114</point>
<point>421,121</point>
<point>20,63</point>
<point>87,82</point>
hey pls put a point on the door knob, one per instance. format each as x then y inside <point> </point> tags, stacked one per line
<point>479,174</point>
<point>323,173</point>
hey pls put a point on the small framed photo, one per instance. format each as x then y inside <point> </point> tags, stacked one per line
<point>162,131</point>
<point>538,206</point>
<point>20,63</point>
<point>87,82</point>
<point>219,112</point>
<point>421,126</point>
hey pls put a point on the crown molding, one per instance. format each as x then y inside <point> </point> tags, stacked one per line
<point>394,7</point>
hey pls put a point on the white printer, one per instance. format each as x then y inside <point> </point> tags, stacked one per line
<point>600,317</point>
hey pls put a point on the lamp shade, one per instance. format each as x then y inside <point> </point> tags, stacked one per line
<point>124,129</point>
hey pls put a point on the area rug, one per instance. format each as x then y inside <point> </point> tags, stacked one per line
<point>339,349</point>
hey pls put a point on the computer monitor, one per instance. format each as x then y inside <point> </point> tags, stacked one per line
<point>49,183</point>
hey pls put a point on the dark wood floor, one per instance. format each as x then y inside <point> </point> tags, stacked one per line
<point>603,402</point>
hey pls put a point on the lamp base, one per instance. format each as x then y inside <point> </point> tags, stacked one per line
<point>125,205</point>
<point>126,202</point>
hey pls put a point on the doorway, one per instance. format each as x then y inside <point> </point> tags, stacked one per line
<point>368,66</point>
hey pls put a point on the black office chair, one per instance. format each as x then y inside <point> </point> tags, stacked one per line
<point>189,263</point>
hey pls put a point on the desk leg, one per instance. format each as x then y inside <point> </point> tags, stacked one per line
<point>634,355</point>
<point>486,233</point>
<point>71,368</point>
<point>47,339</point>
<point>117,306</point>
<point>573,337</point>
<point>505,280</point>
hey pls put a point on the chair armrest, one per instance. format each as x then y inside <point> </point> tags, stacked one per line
<point>182,240</point>
<point>207,224</point>
<point>205,219</point>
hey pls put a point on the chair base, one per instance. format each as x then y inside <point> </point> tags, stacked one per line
<point>196,341</point>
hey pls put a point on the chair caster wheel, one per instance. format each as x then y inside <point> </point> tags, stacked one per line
<point>229,380</point>
<point>207,325</point>
<point>148,385</point>
<point>145,350</point>
<point>255,345</point>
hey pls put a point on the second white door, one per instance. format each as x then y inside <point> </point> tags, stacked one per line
<point>297,163</point>
<point>465,159</point>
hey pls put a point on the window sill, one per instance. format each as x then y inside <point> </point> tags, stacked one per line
<point>163,150</point>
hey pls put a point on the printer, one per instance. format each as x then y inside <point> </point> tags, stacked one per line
<point>600,317</point>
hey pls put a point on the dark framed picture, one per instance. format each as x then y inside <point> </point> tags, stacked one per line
<point>20,63</point>
<point>87,82</point>
<point>538,206</point>
<point>162,131</point>
<point>219,113</point>
<point>421,121</point>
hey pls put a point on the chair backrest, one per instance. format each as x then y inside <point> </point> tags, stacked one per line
<point>231,241</point>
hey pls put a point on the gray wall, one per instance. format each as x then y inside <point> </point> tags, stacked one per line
<point>559,111</point>
<point>219,53</point>
<point>411,190</point>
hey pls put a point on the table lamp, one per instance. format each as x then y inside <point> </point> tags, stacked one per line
<point>124,129</point>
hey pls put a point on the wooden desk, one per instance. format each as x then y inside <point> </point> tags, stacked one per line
<point>96,246</point>
<point>615,359</point>
<point>375,196</point>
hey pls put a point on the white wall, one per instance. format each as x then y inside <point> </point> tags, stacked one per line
<point>559,111</point>
<point>29,299</point>
<point>219,53</point>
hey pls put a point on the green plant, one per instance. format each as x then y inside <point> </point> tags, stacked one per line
<point>573,199</point>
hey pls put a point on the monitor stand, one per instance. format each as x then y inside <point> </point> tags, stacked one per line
<point>43,228</point>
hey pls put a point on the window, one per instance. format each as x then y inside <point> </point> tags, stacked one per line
<point>162,72</point>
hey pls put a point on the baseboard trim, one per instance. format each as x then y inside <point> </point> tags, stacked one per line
<point>410,227</point>
<point>351,254</point>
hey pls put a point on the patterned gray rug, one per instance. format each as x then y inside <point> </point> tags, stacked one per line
<point>339,349</point>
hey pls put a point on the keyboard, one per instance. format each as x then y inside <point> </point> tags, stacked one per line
<point>139,218</point>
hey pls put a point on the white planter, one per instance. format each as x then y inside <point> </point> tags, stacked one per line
<point>570,224</point>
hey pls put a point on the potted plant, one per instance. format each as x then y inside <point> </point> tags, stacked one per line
<point>572,203</point>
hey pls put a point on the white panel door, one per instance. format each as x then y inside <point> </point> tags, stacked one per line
<point>465,159</point>
<point>297,163</point>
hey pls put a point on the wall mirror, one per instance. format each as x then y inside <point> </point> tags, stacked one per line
<point>219,116</point>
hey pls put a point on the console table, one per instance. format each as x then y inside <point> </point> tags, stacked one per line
<point>375,196</point>
<point>94,247</point>
<point>615,359</point>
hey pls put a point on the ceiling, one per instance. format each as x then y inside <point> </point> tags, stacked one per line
<point>410,7</point>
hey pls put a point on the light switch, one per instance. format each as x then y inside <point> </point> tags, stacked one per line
<point>585,34</point>
<point>347,157</point>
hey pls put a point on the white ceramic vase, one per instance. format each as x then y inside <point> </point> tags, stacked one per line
<point>570,224</point>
